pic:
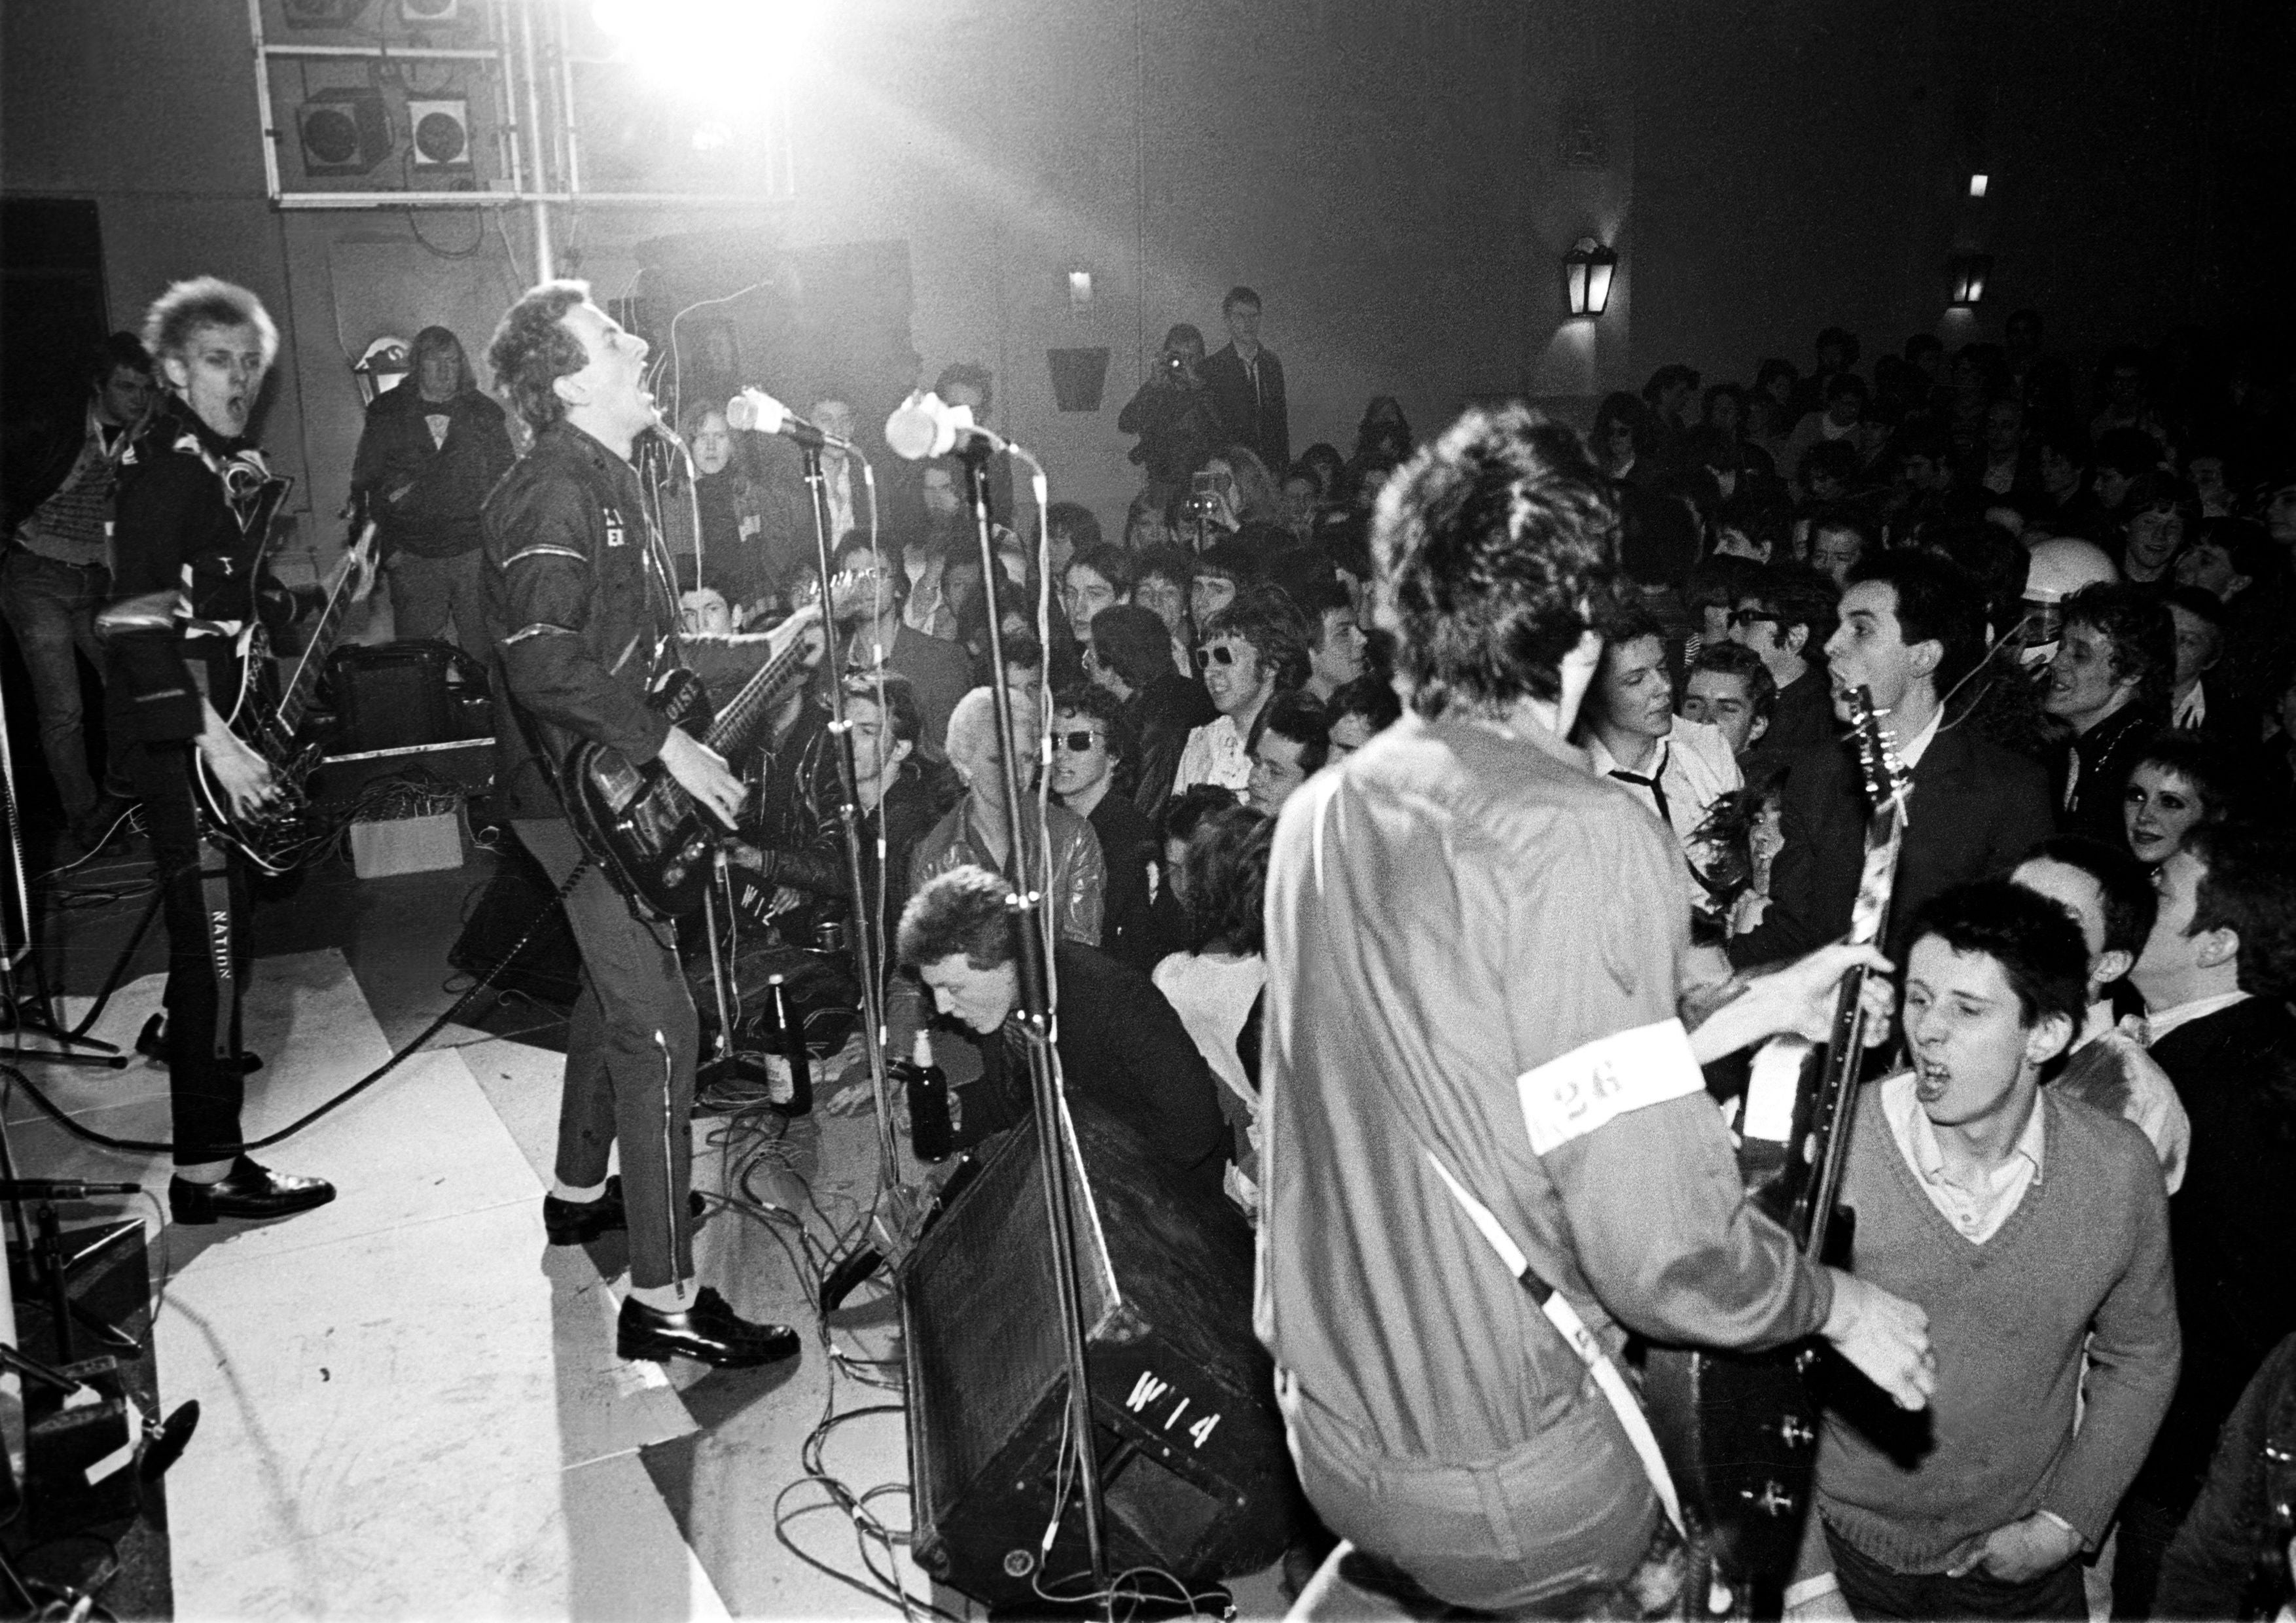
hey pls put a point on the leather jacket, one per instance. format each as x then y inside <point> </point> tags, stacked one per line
<point>1078,889</point>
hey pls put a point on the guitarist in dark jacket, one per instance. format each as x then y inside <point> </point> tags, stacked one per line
<point>582,614</point>
<point>194,503</point>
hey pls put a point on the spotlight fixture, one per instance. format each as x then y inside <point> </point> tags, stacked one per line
<point>1969,274</point>
<point>1587,271</point>
<point>428,13</point>
<point>1977,184</point>
<point>442,131</point>
<point>343,131</point>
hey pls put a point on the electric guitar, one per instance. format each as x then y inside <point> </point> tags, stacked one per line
<point>278,834</point>
<point>643,826</point>
<point>1740,1430</point>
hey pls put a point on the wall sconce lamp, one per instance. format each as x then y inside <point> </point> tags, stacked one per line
<point>1587,271</point>
<point>1080,291</point>
<point>1969,274</point>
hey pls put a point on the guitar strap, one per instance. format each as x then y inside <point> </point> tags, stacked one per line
<point>1581,1341</point>
<point>215,908</point>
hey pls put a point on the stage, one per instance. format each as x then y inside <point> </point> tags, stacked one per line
<point>412,1405</point>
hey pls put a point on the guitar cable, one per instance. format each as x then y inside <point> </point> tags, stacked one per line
<point>12,1077</point>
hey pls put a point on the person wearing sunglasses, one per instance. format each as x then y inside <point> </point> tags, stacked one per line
<point>1250,649</point>
<point>1091,751</point>
<point>1786,618</point>
<point>1072,876</point>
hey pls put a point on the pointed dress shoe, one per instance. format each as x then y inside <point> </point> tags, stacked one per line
<point>250,1193</point>
<point>579,1222</point>
<point>708,1331</point>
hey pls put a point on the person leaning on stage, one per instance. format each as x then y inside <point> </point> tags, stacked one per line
<point>581,618</point>
<point>2033,1228</point>
<point>1465,854</point>
<point>187,547</point>
<point>1122,1045</point>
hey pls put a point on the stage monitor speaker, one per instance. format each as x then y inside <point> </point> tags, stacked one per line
<point>1196,1478</point>
<point>521,902</point>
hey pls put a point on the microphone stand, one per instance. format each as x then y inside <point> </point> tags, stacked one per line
<point>907,1208</point>
<point>1052,1161</point>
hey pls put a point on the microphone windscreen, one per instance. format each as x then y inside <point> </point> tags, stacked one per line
<point>912,429</point>
<point>754,411</point>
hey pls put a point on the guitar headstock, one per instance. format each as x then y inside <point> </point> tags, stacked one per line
<point>1887,777</point>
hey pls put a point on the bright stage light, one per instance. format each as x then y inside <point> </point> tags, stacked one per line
<point>710,48</point>
<point>1977,184</point>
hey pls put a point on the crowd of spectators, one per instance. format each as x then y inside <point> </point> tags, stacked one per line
<point>2076,608</point>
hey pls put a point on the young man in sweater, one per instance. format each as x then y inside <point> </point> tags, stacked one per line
<point>2033,1229</point>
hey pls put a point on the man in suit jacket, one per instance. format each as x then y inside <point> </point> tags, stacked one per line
<point>1910,628</point>
<point>1788,619</point>
<point>1246,382</point>
<point>2215,973</point>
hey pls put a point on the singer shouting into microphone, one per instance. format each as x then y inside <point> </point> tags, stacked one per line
<point>581,616</point>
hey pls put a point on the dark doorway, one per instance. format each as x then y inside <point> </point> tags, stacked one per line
<point>52,316</point>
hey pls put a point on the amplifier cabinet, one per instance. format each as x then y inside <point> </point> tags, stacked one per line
<point>1196,1478</point>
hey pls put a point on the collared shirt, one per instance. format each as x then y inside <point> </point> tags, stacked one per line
<point>2193,709</point>
<point>1910,753</point>
<point>1978,1213</point>
<point>2107,1067</point>
<point>1693,769</point>
<point>838,486</point>
<point>2158,1025</point>
<point>1214,754</point>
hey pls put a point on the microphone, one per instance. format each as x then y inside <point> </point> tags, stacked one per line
<point>59,1189</point>
<point>926,425</point>
<point>756,411</point>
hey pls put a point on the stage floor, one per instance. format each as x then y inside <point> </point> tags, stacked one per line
<point>411,1402</point>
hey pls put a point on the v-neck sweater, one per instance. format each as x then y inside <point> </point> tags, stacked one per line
<point>2086,1251</point>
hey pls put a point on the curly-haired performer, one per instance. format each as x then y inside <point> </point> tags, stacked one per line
<point>1471,1032</point>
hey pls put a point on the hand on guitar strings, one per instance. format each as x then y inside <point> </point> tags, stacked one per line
<point>243,775</point>
<point>1886,1337</point>
<point>701,772</point>
<point>1797,998</point>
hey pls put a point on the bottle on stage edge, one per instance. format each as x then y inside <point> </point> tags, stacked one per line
<point>792,1032</point>
<point>928,1090</point>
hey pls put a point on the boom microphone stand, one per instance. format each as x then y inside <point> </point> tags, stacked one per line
<point>900,1229</point>
<point>972,452</point>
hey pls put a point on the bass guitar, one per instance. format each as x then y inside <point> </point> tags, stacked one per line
<point>642,825</point>
<point>1740,1430</point>
<point>277,835</point>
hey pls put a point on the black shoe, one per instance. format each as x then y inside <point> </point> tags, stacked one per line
<point>579,1222</point>
<point>709,1332</point>
<point>250,1191</point>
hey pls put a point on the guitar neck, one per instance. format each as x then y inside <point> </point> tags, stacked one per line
<point>731,730</point>
<point>323,637</point>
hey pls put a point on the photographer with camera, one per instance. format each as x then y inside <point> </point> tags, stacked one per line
<point>1173,414</point>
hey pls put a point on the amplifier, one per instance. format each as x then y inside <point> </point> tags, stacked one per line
<point>401,693</point>
<point>1194,1472</point>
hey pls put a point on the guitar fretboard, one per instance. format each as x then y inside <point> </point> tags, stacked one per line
<point>297,697</point>
<point>735,724</point>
